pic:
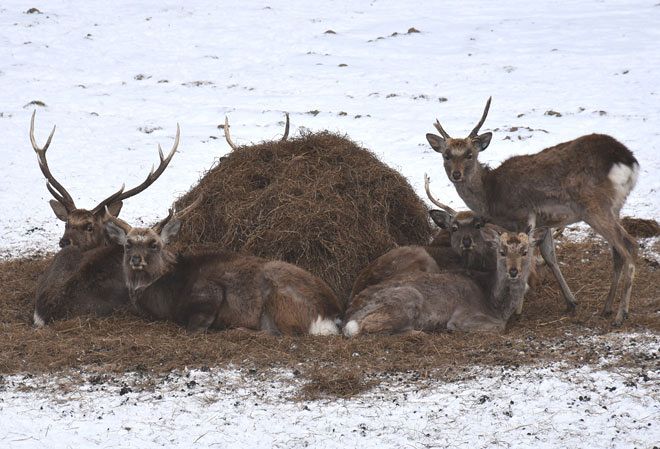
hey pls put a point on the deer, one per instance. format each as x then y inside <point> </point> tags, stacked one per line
<point>203,290</point>
<point>456,300</point>
<point>81,277</point>
<point>233,146</point>
<point>585,179</point>
<point>457,245</point>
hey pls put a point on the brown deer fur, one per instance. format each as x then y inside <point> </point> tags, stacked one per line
<point>461,300</point>
<point>586,179</point>
<point>221,290</point>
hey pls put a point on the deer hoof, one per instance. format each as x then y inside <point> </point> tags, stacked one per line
<point>620,318</point>
<point>570,309</point>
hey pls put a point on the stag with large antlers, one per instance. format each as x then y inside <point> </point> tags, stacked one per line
<point>458,300</point>
<point>220,290</point>
<point>586,179</point>
<point>85,276</point>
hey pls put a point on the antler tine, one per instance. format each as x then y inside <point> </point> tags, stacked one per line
<point>286,128</point>
<point>178,214</point>
<point>442,132</point>
<point>62,195</point>
<point>483,119</point>
<point>159,226</point>
<point>227,136</point>
<point>151,177</point>
<point>427,187</point>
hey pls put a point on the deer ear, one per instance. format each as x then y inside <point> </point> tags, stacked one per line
<point>437,143</point>
<point>483,140</point>
<point>114,208</point>
<point>115,233</point>
<point>60,210</point>
<point>170,230</point>
<point>491,233</point>
<point>440,217</point>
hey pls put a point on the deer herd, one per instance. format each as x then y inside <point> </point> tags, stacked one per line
<point>471,277</point>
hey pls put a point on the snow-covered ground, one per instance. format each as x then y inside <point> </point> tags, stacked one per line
<point>116,77</point>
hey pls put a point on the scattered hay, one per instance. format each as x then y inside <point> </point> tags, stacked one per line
<point>640,227</point>
<point>336,366</point>
<point>318,201</point>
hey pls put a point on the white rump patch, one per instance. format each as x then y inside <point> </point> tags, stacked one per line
<point>38,321</point>
<point>351,329</point>
<point>323,326</point>
<point>624,178</point>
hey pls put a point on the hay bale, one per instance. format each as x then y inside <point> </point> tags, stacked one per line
<point>318,201</point>
<point>640,227</point>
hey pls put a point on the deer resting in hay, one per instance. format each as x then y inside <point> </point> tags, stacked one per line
<point>461,300</point>
<point>586,179</point>
<point>85,275</point>
<point>220,290</point>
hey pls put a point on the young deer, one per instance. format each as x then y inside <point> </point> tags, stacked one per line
<point>221,290</point>
<point>586,179</point>
<point>82,277</point>
<point>460,300</point>
<point>457,245</point>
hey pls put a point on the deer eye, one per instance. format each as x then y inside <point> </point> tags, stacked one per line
<point>478,225</point>
<point>153,246</point>
<point>454,228</point>
<point>89,227</point>
<point>524,253</point>
<point>446,156</point>
<point>502,253</point>
<point>468,156</point>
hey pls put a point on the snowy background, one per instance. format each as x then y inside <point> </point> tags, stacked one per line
<point>116,77</point>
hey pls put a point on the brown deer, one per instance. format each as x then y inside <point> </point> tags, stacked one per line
<point>586,179</point>
<point>457,300</point>
<point>82,278</point>
<point>457,245</point>
<point>221,290</point>
<point>83,227</point>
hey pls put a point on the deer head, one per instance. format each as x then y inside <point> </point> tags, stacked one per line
<point>464,227</point>
<point>460,155</point>
<point>146,255</point>
<point>514,251</point>
<point>85,228</point>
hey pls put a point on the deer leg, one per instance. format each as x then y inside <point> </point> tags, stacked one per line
<point>624,249</point>
<point>548,252</point>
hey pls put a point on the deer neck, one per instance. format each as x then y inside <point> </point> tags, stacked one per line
<point>473,192</point>
<point>506,294</point>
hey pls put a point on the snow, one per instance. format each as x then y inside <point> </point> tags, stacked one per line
<point>117,76</point>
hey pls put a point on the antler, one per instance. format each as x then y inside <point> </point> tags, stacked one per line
<point>120,195</point>
<point>483,119</point>
<point>178,214</point>
<point>438,126</point>
<point>427,181</point>
<point>54,187</point>
<point>234,146</point>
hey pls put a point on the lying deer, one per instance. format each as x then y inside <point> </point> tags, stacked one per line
<point>220,290</point>
<point>81,277</point>
<point>460,300</point>
<point>586,179</point>
<point>458,244</point>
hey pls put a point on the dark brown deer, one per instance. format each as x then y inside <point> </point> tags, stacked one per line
<point>82,278</point>
<point>457,300</point>
<point>221,290</point>
<point>83,227</point>
<point>586,179</point>
<point>457,245</point>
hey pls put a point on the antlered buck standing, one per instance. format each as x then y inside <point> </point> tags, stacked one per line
<point>586,179</point>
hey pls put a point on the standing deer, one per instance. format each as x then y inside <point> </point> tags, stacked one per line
<point>82,277</point>
<point>220,290</point>
<point>461,300</point>
<point>586,179</point>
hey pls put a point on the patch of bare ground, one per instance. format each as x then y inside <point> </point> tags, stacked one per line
<point>337,366</point>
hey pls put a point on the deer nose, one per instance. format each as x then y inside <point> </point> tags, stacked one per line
<point>467,242</point>
<point>513,273</point>
<point>136,260</point>
<point>456,175</point>
<point>64,242</point>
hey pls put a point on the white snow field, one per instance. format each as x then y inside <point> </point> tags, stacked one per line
<point>117,76</point>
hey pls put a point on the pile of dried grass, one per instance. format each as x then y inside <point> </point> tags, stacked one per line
<point>318,201</point>
<point>640,227</point>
